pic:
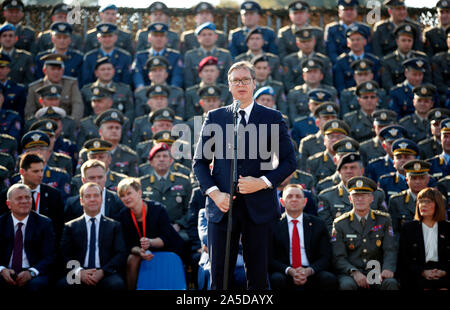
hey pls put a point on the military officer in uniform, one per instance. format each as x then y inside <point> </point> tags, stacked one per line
<point>435,38</point>
<point>432,146</point>
<point>38,141</point>
<point>172,189</point>
<point>382,165</point>
<point>255,41</point>
<point>440,65</point>
<point>13,12</point>
<point>61,40</point>
<point>14,94</point>
<point>158,68</point>
<point>417,123</point>
<point>101,101</point>
<point>373,148</point>
<point>402,206</point>
<point>263,78</point>
<point>54,158</point>
<point>22,67</point>
<point>440,164</point>
<point>341,148</point>
<point>297,98</point>
<point>208,71</point>
<point>334,201</point>
<point>159,13</point>
<point>360,236</point>
<point>204,12</point>
<point>403,151</point>
<point>207,37</point>
<point>10,121</point>
<point>108,14</point>
<point>393,64</point>
<point>70,100</point>
<point>319,105</point>
<point>342,71</point>
<point>402,94</point>
<point>8,144</point>
<point>292,63</point>
<point>123,99</point>
<point>100,150</point>
<point>322,164</point>
<point>384,37</point>
<point>250,15</point>
<point>158,37</point>
<point>335,32</point>
<point>362,72</point>
<point>58,14</point>
<point>107,35</point>
<point>299,17</point>
<point>361,121</point>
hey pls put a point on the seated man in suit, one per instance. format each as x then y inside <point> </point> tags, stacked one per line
<point>96,242</point>
<point>94,171</point>
<point>27,243</point>
<point>301,249</point>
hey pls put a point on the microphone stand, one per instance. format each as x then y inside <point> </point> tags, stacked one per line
<point>233,185</point>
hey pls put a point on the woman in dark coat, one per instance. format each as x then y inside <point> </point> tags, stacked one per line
<point>424,250</point>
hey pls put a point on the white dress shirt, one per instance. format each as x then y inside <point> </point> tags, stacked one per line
<point>430,238</point>
<point>247,110</point>
<point>305,261</point>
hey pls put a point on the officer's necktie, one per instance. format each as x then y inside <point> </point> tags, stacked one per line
<point>91,261</point>
<point>16,264</point>
<point>296,253</point>
<point>33,204</point>
<point>363,222</point>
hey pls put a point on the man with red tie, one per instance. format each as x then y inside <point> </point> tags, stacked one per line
<point>46,200</point>
<point>301,249</point>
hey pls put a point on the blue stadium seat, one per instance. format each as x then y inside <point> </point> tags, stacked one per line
<point>164,272</point>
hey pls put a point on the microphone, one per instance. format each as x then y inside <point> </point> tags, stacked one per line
<point>236,106</point>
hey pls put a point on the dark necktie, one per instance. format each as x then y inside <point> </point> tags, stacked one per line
<point>18,248</point>
<point>296,253</point>
<point>363,222</point>
<point>33,204</point>
<point>91,261</point>
<point>243,121</point>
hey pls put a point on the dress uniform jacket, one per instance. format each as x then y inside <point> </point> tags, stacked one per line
<point>44,41</point>
<point>237,43</point>
<point>305,179</point>
<point>348,100</point>
<point>112,180</point>
<point>188,40</point>
<point>124,41</point>
<point>287,43</point>
<point>334,202</point>
<point>354,246</point>
<point>11,123</point>
<point>175,70</point>
<point>440,167</point>
<point>176,101</point>
<point>72,65</point>
<point>192,104</point>
<point>392,183</point>
<point>70,101</point>
<point>69,130</point>
<point>143,44</point>
<point>378,167</point>
<point>61,161</point>
<point>26,38</point>
<point>440,66</point>
<point>8,144</point>
<point>59,179</point>
<point>146,168</point>
<point>429,148</point>
<point>292,67</point>
<point>383,40</point>
<point>120,58</point>
<point>361,125</point>
<point>274,63</point>
<point>328,182</point>
<point>309,146</point>
<point>192,59</point>
<point>303,127</point>
<point>435,40</point>
<point>15,96</point>
<point>402,208</point>
<point>418,129</point>
<point>402,99</point>
<point>320,165</point>
<point>371,149</point>
<point>22,66</point>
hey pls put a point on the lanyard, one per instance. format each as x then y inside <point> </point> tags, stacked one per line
<point>143,221</point>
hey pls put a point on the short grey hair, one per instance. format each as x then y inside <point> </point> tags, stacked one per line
<point>15,187</point>
<point>242,65</point>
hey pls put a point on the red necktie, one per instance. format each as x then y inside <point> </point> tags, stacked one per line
<point>296,253</point>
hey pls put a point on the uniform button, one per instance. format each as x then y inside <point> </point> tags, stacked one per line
<point>365,251</point>
<point>164,198</point>
<point>364,240</point>
<point>364,260</point>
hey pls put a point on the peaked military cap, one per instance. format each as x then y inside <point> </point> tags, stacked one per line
<point>107,7</point>
<point>438,114</point>
<point>367,87</point>
<point>327,108</point>
<point>51,112</point>
<point>298,6</point>
<point>45,125</point>
<point>156,62</point>
<point>5,60</point>
<point>250,6</point>
<point>35,138</point>
<point>392,3</point>
<point>445,125</point>
<point>158,27</point>
<point>54,59</point>
<point>393,132</point>
<point>362,65</point>
<point>346,145</point>
<point>304,34</point>
<point>424,91</point>
<point>336,125</point>
<point>99,92</point>
<point>361,184</point>
<point>348,158</point>
<point>404,146</point>
<point>61,28</point>
<point>209,91</point>
<point>384,117</point>
<point>102,61</point>
<point>417,167</point>
<point>13,4</point>
<point>158,90</point>
<point>416,63</point>
<point>319,95</point>
<point>166,114</point>
<point>311,63</point>
<point>111,115</point>
<point>97,145</point>
<point>164,136</point>
<point>158,6</point>
<point>106,28</point>
<point>204,6</point>
<point>405,29</point>
<point>50,91</point>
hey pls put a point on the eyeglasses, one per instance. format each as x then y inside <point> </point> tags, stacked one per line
<point>244,81</point>
<point>369,97</point>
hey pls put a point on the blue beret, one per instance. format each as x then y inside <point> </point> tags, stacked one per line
<point>207,25</point>
<point>107,7</point>
<point>7,27</point>
<point>266,90</point>
<point>445,125</point>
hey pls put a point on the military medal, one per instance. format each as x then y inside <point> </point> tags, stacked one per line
<point>378,243</point>
<point>351,246</point>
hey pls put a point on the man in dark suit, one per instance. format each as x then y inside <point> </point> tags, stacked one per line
<point>94,171</point>
<point>255,204</point>
<point>96,242</point>
<point>301,249</point>
<point>46,200</point>
<point>27,243</point>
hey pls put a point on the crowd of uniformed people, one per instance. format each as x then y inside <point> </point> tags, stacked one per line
<point>359,100</point>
